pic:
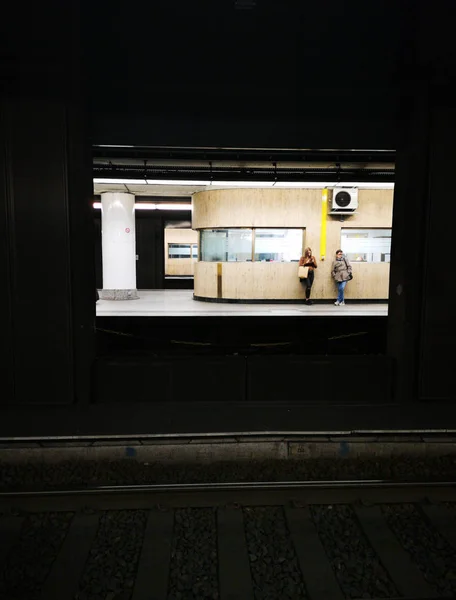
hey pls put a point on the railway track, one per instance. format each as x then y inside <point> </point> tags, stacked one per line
<point>268,540</point>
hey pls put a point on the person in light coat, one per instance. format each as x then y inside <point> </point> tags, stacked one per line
<point>341,272</point>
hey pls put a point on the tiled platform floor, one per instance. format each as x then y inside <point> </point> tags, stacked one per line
<point>174,303</point>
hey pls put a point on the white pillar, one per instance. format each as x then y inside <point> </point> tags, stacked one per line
<point>118,246</point>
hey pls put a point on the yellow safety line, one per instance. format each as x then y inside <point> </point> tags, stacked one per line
<point>324,216</point>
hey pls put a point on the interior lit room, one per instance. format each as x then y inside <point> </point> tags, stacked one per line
<point>230,242</point>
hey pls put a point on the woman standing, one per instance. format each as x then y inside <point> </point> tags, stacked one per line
<point>308,261</point>
<point>342,272</point>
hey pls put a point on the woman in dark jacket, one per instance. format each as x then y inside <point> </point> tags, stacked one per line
<point>308,261</point>
<point>341,272</point>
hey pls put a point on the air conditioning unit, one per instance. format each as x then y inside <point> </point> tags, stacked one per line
<point>344,201</point>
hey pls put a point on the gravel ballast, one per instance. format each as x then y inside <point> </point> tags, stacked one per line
<point>29,562</point>
<point>273,561</point>
<point>358,569</point>
<point>429,550</point>
<point>182,552</point>
<point>193,567</point>
<point>111,566</point>
<point>131,471</point>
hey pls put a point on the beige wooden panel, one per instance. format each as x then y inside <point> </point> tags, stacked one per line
<point>257,208</point>
<point>323,286</point>
<point>279,281</point>
<point>370,281</point>
<point>284,208</point>
<point>181,236</point>
<point>375,209</point>
<point>260,280</point>
<point>206,279</point>
<point>180,266</point>
<point>290,208</point>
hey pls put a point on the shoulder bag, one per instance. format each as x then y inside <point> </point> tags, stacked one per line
<point>350,275</point>
<point>303,272</point>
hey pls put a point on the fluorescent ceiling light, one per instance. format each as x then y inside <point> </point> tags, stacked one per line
<point>242,183</point>
<point>150,206</point>
<point>121,181</point>
<point>170,206</point>
<point>176,182</point>
<point>145,206</point>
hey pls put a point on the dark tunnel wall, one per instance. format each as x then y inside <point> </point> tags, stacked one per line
<point>384,81</point>
<point>284,74</point>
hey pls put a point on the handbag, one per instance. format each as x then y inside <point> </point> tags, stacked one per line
<point>303,272</point>
<point>350,275</point>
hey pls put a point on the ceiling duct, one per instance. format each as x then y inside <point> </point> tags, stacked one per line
<point>245,155</point>
<point>139,171</point>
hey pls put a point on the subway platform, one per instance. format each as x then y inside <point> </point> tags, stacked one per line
<point>175,303</point>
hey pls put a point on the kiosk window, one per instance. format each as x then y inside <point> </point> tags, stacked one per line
<point>226,245</point>
<point>278,245</point>
<point>182,251</point>
<point>366,245</point>
<point>262,245</point>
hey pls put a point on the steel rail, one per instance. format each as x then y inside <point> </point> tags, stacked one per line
<point>234,486</point>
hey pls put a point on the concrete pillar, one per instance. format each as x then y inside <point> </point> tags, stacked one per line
<point>118,246</point>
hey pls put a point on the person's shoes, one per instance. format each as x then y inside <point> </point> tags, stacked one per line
<point>309,302</point>
<point>337,303</point>
<point>341,303</point>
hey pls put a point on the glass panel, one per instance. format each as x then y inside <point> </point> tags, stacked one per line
<point>226,245</point>
<point>366,245</point>
<point>179,250</point>
<point>194,251</point>
<point>278,245</point>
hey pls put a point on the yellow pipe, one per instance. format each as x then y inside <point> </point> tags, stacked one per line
<point>324,216</point>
